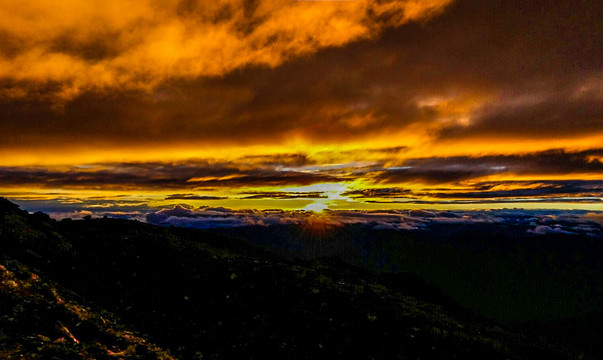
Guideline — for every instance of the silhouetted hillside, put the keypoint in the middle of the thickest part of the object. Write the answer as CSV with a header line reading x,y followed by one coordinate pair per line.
x,y
119,287
501,270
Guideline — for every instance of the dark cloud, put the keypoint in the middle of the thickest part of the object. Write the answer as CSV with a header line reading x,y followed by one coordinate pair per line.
x,y
551,116
268,178
515,68
203,175
438,172
193,197
484,190
157,175
442,170
378,193
278,160
571,191
283,195
545,200
592,188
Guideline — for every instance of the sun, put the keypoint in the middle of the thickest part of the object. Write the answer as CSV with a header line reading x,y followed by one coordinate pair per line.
x,y
316,207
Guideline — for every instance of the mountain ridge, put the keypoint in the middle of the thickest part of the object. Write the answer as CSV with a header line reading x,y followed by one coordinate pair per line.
x,y
200,295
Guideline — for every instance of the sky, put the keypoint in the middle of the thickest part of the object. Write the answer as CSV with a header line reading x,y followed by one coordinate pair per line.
x,y
127,107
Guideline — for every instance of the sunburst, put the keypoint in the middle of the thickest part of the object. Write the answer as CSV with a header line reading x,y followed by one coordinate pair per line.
x,y
316,206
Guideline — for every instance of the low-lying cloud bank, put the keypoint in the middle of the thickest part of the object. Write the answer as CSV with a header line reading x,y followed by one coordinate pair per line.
x,y
534,221
537,222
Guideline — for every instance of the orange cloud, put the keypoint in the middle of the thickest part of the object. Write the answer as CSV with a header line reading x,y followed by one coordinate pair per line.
x,y
76,46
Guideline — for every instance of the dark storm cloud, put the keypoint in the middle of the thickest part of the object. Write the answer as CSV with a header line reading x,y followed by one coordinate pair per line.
x,y
442,170
510,51
378,193
554,191
554,115
572,200
156,175
522,56
437,172
591,188
193,197
281,171
390,150
278,160
284,195
267,178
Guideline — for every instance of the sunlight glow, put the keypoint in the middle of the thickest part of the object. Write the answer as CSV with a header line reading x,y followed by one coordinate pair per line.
x,y
316,207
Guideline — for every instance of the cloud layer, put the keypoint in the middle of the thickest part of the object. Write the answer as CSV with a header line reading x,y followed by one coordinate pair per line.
x,y
534,222
137,44
348,104
468,74
549,177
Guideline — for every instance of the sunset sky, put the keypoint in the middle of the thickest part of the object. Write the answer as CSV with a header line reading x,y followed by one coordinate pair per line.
x,y
133,105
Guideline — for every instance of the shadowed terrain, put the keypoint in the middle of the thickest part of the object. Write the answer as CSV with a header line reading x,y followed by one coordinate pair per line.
x,y
502,270
109,288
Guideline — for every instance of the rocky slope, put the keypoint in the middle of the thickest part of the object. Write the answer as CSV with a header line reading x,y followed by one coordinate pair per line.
x,y
107,288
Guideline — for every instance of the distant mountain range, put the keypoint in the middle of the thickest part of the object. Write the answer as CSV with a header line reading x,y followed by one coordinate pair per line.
x,y
123,289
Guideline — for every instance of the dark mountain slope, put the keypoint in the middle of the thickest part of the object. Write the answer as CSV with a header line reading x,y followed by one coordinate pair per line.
x,y
500,269
38,320
201,295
